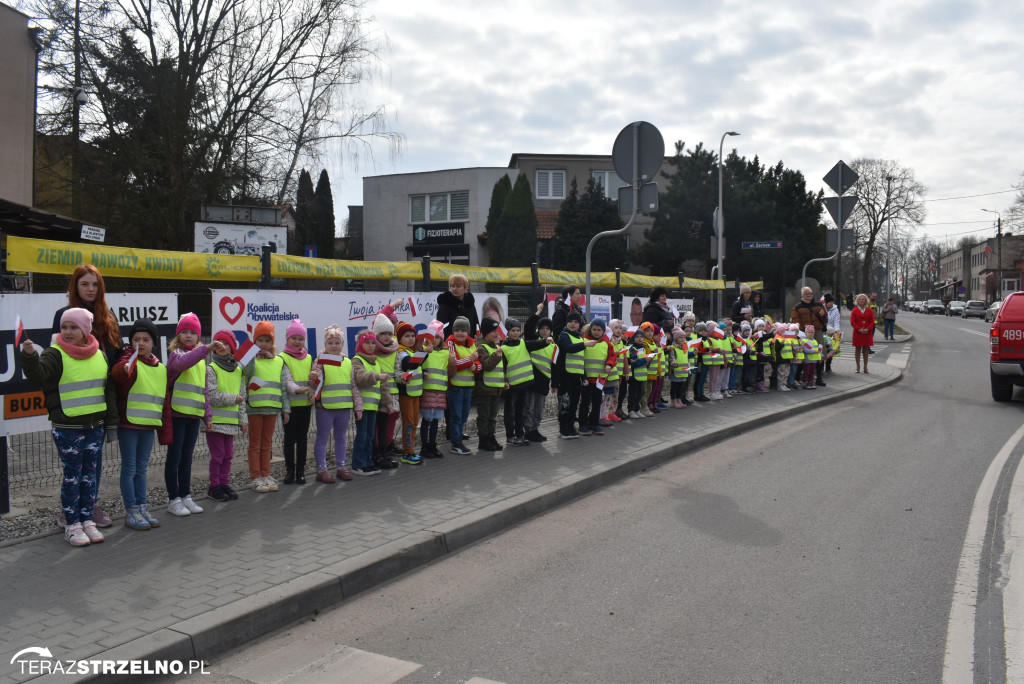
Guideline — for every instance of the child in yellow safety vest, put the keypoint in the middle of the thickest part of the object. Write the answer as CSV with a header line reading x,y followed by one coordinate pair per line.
x,y
227,404
812,355
599,364
369,385
296,430
266,377
81,404
331,380
490,384
538,329
519,371
437,370
408,378
190,407
141,387
834,348
385,454
612,410
465,359
679,368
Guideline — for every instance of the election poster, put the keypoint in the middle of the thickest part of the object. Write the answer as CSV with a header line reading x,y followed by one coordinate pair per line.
x,y
633,308
600,305
23,408
240,310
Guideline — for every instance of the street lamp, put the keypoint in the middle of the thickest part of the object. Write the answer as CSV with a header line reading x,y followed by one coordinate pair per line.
x,y
720,228
999,252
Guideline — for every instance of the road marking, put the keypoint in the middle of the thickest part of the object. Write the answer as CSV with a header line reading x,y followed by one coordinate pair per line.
x,y
958,664
974,332
897,360
1013,591
290,662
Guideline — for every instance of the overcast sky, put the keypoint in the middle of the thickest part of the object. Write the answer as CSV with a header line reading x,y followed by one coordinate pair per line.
x,y
936,85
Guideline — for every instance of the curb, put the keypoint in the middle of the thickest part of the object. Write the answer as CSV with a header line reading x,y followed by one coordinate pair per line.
x,y
207,635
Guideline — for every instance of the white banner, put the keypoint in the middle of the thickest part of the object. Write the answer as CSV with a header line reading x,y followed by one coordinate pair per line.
x,y
600,305
23,402
240,311
633,309
243,240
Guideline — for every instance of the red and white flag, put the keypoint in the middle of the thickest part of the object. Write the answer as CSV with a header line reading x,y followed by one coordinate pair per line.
x,y
246,352
315,393
131,361
554,356
330,359
599,384
675,311
419,356
19,330
502,331
256,383
718,334
694,344
412,305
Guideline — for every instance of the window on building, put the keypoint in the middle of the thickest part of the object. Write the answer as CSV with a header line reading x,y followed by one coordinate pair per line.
x,y
550,185
609,182
451,206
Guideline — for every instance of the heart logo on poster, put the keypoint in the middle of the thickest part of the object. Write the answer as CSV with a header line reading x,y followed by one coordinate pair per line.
x,y
226,302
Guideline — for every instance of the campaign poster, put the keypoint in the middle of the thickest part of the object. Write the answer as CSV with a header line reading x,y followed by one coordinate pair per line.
x,y
23,409
240,311
633,308
600,305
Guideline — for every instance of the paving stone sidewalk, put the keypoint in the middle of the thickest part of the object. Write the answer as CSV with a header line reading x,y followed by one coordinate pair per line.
x,y
206,583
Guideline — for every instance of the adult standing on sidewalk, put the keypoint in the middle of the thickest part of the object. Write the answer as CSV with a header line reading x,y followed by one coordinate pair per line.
x,y
743,307
889,318
87,291
457,301
809,312
571,300
862,320
657,311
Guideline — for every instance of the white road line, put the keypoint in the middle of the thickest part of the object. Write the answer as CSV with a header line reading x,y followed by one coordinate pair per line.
x,y
974,332
897,360
1013,590
290,663
958,666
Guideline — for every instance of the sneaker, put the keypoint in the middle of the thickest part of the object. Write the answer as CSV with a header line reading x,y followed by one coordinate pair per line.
x,y
597,431
412,459
365,471
386,463
534,436
662,406
614,417
232,494
325,476
573,436
144,511
191,505
373,468
701,397
94,535
344,474
271,483
586,432
646,413
635,416
177,507
820,383
260,485
218,493
76,535
520,441
460,449
604,422
100,517
783,388
133,519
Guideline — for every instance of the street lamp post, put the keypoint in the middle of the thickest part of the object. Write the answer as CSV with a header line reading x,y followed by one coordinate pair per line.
x,y
888,250
721,217
999,252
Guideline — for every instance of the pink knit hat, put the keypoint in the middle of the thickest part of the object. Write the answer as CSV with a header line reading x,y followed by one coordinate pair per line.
x,y
80,317
365,336
436,327
296,328
189,321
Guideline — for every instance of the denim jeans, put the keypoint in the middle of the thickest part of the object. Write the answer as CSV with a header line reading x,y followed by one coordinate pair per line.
x,y
362,446
178,467
135,446
459,399
890,327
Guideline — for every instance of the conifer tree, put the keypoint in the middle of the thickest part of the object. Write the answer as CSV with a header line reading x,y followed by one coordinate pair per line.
x,y
305,215
516,229
323,233
580,218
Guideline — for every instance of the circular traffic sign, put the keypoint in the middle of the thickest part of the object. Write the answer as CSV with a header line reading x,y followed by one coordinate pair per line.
x,y
650,151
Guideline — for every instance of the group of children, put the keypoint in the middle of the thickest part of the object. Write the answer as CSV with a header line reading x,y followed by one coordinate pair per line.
x,y
601,372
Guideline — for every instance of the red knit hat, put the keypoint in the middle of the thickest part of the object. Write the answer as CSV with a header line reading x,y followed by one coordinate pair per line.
x,y
228,338
403,328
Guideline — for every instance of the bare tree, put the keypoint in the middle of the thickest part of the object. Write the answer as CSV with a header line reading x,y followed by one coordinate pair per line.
x,y
887,191
213,100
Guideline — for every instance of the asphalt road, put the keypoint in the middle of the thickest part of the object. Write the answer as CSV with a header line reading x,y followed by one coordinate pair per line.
x,y
820,549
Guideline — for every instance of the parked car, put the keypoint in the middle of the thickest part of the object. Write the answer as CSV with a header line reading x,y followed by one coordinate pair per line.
x,y
920,307
991,312
934,306
1006,363
975,308
954,308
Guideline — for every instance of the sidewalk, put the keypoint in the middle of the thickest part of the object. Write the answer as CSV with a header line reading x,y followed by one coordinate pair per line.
x,y
201,585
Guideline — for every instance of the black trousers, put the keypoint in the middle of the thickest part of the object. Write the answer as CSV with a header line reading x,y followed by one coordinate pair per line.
x,y
569,388
515,410
590,405
296,438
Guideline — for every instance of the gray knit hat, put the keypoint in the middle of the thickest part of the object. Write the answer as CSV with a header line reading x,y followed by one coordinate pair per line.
x,y
700,327
461,323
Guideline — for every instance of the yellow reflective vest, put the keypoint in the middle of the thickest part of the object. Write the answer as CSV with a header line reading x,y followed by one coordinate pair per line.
x,y
81,384
300,376
269,371
227,383
337,390
188,396
146,396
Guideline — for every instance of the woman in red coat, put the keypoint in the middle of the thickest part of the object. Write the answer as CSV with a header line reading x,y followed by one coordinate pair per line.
x,y
862,320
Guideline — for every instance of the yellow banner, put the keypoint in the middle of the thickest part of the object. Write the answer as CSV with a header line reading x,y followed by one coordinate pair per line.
x,y
698,284
547,276
48,256
634,280
481,274
285,266
756,284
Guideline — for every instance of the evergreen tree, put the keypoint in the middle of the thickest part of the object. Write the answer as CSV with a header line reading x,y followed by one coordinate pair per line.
x,y
498,196
516,229
305,215
579,220
323,233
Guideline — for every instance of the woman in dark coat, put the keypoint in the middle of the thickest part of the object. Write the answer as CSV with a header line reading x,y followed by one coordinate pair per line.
x,y
569,301
457,301
657,310
744,301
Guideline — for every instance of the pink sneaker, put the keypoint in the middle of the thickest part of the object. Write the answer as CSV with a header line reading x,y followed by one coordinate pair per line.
x,y
94,535
76,535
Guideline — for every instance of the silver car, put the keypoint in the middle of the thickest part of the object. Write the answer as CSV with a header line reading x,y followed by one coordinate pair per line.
x,y
990,312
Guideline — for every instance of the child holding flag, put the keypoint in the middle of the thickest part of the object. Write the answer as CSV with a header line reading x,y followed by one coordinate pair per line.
x,y
331,381
490,384
637,360
266,377
296,430
518,365
369,388
227,405
409,379
437,368
679,365
79,417
141,388
538,329
598,363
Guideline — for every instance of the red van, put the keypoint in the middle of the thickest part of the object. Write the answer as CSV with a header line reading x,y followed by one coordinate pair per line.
x,y
1006,365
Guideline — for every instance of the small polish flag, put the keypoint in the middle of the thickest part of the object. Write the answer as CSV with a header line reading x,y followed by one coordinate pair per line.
x,y
419,356
406,377
330,359
19,328
633,329
743,349
718,334
133,359
412,305
599,384
256,383
319,387
662,339
675,311
694,344
246,352
554,357
502,331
